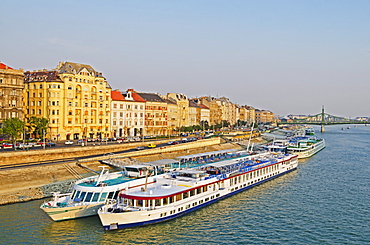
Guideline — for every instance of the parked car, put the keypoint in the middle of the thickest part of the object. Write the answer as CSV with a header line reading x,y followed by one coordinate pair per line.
x,y
50,144
68,142
152,146
7,145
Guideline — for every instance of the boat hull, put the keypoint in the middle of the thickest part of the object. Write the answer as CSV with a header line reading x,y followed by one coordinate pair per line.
x,y
66,213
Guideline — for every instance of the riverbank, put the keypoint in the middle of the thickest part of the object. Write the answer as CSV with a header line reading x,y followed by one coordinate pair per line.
x,y
25,184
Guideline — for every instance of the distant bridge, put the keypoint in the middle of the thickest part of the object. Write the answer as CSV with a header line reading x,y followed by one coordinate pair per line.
x,y
325,119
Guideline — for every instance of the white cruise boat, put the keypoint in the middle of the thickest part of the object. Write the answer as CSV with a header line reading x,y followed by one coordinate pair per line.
x,y
89,194
305,147
183,191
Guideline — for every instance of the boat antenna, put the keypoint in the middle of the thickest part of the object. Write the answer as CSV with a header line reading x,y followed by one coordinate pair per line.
x,y
250,136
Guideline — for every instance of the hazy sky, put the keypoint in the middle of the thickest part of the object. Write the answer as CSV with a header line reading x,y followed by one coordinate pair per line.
x,y
290,57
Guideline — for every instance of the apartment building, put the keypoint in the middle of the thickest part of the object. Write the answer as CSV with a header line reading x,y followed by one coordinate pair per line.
x,y
11,93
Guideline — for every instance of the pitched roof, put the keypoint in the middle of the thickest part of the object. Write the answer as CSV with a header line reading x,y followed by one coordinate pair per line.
x,y
137,97
193,104
116,95
203,106
169,101
48,76
151,97
75,68
3,66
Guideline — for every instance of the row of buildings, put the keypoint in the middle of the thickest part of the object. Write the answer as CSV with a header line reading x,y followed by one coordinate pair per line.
x,y
79,103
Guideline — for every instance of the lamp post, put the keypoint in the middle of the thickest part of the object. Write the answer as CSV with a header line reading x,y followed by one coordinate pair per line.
x,y
43,133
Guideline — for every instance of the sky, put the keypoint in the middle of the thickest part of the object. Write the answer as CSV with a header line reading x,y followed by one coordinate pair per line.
x,y
286,56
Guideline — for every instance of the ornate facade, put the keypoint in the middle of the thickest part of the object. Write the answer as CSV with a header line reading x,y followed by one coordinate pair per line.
x,y
11,93
74,98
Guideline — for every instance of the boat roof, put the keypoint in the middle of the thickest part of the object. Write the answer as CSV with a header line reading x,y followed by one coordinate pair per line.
x,y
221,163
162,162
190,171
206,154
136,166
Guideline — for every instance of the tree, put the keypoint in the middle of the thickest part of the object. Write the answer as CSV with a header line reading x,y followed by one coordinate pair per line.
x,y
13,127
40,126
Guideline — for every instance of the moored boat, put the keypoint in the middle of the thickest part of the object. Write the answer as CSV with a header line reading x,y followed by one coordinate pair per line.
x,y
182,191
91,193
305,147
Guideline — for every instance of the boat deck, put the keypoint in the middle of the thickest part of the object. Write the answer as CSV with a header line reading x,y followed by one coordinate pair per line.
x,y
109,182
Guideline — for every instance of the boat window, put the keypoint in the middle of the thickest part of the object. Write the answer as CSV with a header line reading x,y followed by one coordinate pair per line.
x,y
95,197
157,202
165,201
199,190
82,195
186,194
204,188
192,193
110,195
76,194
171,199
73,194
131,169
88,196
178,197
139,203
115,195
103,197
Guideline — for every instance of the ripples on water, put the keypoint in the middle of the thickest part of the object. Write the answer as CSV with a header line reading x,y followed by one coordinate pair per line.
x,y
325,202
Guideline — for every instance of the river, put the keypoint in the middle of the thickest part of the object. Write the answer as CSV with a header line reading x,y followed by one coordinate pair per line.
x,y
326,201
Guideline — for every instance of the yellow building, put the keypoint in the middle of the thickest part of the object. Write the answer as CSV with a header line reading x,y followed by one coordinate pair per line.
x,y
74,98
182,108
156,116
264,116
11,88
172,111
215,110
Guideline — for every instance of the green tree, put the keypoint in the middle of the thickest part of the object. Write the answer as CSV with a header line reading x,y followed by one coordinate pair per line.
x,y
40,125
13,127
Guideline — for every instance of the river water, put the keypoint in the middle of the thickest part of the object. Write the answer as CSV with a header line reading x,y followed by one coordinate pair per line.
x,y
326,201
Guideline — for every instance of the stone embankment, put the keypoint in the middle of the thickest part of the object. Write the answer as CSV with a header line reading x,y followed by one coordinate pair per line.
x,y
30,183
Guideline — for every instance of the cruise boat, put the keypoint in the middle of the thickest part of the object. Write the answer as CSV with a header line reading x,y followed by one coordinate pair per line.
x,y
305,146
89,194
309,131
179,192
